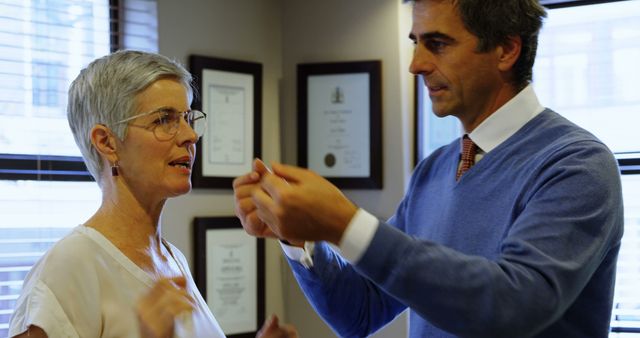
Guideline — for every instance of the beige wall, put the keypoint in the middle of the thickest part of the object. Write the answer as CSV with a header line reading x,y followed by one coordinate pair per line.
x,y
247,30
337,30
280,34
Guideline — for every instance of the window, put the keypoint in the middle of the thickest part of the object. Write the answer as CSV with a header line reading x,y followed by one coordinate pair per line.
x,y
586,70
45,189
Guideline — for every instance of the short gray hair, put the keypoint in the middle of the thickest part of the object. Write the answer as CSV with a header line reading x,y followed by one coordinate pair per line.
x,y
494,21
105,93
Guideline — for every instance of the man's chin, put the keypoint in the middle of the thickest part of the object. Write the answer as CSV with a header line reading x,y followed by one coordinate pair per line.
x,y
441,112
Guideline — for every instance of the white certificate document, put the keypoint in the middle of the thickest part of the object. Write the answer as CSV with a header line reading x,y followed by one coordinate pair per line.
x,y
338,125
232,280
227,139
227,99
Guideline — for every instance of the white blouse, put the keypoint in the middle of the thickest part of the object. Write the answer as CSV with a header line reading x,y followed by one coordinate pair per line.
x,y
85,287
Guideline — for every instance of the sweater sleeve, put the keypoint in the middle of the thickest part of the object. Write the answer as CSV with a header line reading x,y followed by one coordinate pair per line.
x,y
351,304
570,224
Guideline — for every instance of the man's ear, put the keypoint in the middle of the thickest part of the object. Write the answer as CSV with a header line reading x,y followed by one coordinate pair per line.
x,y
104,141
509,52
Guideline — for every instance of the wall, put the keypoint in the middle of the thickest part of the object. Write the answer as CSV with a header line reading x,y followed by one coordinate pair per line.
x,y
247,30
337,30
280,34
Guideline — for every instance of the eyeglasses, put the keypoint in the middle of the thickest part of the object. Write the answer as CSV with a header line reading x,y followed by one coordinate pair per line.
x,y
167,122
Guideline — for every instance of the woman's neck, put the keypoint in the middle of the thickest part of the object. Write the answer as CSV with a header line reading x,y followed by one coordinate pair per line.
x,y
133,226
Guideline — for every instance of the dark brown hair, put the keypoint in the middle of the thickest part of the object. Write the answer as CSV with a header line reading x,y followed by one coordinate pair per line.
x,y
493,22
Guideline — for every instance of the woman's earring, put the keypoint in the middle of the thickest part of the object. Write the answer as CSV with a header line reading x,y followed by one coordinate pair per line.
x,y
114,169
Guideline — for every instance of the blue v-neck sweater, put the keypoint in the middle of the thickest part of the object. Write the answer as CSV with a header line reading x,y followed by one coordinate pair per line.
x,y
524,245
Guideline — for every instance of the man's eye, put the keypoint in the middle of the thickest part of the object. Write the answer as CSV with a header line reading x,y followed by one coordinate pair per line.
x,y
435,45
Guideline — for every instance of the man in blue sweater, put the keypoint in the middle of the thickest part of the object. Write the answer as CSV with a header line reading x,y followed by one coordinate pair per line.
x,y
522,244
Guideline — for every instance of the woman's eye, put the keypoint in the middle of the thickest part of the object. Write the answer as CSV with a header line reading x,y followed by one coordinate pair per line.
x,y
160,120
169,117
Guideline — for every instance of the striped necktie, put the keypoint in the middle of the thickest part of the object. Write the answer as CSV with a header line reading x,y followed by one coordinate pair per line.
x,y
468,156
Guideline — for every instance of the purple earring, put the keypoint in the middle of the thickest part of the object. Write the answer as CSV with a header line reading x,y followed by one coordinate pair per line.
x,y
114,169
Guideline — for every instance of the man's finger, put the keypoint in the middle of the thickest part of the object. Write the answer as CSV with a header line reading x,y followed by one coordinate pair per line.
x,y
258,227
254,226
250,178
272,323
268,220
274,185
265,210
262,200
290,330
244,191
259,167
290,173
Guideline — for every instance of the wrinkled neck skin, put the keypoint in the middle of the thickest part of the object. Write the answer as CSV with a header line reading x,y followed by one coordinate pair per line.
x,y
131,222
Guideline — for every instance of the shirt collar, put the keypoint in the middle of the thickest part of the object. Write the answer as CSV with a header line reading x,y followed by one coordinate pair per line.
x,y
508,119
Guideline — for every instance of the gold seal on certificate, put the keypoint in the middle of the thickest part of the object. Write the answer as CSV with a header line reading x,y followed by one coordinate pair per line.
x,y
329,160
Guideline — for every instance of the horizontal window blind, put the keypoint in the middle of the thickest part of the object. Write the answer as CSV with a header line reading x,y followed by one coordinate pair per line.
x,y
626,306
51,41
43,46
48,43
140,25
35,214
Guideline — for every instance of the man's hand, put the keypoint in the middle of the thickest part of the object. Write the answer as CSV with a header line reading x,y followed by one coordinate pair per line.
x,y
300,205
158,309
243,187
272,329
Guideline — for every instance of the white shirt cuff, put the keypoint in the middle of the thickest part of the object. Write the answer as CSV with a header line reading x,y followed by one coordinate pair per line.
x,y
301,255
358,235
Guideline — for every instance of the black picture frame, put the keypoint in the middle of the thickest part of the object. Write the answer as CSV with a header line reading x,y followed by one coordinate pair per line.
x,y
229,144
350,73
230,226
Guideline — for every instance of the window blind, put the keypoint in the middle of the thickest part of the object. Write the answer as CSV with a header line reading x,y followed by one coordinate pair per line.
x,y
43,46
586,70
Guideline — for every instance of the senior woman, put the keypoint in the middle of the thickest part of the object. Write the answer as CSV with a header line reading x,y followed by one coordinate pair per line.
x,y
114,275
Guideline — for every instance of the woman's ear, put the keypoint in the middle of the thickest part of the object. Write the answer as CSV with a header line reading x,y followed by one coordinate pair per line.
x,y
509,52
104,141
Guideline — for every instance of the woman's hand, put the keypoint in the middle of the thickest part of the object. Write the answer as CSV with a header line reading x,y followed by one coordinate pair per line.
x,y
272,329
158,309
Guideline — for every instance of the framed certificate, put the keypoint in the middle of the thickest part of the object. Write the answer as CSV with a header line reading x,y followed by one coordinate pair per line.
x,y
230,93
229,272
340,122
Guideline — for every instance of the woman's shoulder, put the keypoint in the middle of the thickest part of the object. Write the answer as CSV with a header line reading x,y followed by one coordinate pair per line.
x,y
61,283
73,251
71,260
